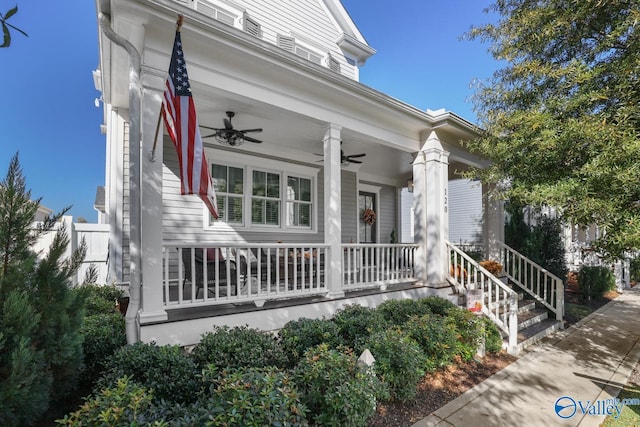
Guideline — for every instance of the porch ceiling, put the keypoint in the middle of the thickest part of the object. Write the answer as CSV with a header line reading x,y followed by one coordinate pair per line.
x,y
293,136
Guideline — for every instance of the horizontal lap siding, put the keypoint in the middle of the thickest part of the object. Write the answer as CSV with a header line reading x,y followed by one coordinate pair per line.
x,y
299,17
349,207
387,213
465,211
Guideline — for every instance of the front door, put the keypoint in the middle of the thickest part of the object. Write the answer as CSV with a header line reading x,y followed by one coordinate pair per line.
x,y
367,223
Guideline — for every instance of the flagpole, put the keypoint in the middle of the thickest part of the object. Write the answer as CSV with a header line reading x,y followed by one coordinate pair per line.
x,y
152,154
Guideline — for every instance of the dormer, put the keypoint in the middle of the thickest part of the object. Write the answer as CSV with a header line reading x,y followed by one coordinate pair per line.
x,y
320,31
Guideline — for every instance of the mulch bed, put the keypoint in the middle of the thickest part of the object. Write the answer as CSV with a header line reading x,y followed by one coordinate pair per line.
x,y
439,388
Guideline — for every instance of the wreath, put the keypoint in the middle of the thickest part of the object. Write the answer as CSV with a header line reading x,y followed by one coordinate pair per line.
x,y
369,216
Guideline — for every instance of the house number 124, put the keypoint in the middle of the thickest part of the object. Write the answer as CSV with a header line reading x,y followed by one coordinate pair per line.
x,y
445,200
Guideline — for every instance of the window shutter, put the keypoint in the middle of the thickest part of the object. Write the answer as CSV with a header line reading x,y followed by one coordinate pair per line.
x,y
286,43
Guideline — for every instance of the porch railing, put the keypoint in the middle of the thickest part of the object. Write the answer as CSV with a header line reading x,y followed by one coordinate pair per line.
x,y
205,274
543,286
500,303
377,265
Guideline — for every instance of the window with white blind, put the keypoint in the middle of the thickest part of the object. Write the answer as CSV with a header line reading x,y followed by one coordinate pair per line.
x,y
298,202
265,200
228,183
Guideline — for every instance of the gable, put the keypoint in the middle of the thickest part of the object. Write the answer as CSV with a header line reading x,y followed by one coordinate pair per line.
x,y
320,31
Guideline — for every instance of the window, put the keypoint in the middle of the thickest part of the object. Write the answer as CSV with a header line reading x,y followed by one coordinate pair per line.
x,y
228,183
253,197
265,200
289,44
210,10
298,202
307,54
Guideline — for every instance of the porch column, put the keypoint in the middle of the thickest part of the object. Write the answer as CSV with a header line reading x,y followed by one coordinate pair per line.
x,y
333,210
419,217
431,210
152,308
493,224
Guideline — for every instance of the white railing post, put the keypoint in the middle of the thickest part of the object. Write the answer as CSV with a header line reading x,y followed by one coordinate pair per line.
x,y
559,302
513,324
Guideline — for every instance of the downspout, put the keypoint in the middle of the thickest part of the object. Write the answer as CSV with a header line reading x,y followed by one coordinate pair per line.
x,y
132,316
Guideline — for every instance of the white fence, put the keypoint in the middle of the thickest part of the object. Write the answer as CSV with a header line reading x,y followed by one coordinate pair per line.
x,y
96,237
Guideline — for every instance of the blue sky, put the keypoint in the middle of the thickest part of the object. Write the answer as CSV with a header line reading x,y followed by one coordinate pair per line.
x,y
47,110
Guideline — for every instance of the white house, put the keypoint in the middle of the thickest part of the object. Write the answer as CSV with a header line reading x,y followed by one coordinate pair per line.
x,y
291,240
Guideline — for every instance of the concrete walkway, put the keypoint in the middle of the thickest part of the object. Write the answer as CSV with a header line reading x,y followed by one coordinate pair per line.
x,y
585,364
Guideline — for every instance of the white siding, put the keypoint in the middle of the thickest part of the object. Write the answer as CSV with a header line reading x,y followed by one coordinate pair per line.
x,y
465,211
306,20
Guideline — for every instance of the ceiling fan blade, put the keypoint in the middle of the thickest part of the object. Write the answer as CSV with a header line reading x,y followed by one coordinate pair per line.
x,y
351,156
354,161
250,139
209,136
209,127
251,130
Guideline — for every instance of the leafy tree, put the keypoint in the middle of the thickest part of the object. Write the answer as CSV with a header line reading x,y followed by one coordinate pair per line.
x,y
562,118
40,315
6,27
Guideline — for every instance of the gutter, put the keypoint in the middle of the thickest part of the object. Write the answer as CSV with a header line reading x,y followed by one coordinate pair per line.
x,y
135,89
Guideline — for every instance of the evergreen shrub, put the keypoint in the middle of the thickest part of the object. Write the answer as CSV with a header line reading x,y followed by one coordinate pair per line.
x,y
335,390
399,362
166,370
594,281
299,335
356,323
436,337
238,347
398,312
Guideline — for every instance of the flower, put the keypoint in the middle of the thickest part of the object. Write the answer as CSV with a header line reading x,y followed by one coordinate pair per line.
x,y
369,216
494,267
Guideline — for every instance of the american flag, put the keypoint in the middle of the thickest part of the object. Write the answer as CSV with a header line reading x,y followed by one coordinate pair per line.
x,y
179,114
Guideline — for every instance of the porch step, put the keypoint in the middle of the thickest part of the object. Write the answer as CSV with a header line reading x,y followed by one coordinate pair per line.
x,y
531,317
534,333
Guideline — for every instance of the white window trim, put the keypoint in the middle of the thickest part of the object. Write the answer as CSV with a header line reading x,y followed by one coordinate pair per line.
x,y
250,163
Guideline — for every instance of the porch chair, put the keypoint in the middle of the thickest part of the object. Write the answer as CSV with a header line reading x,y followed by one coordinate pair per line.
x,y
211,262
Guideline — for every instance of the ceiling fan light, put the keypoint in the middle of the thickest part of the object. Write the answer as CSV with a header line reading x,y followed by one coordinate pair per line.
x,y
230,139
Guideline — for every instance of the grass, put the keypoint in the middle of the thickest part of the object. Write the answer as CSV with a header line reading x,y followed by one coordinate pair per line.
x,y
630,416
577,310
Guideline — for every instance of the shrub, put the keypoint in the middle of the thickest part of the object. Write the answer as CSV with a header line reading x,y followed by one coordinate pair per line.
x,y
437,305
436,337
251,397
468,332
397,312
239,347
334,389
399,362
356,323
104,334
299,335
492,336
124,404
593,282
101,299
167,370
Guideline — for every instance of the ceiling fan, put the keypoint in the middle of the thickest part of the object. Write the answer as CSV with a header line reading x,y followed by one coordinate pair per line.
x,y
229,135
346,159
